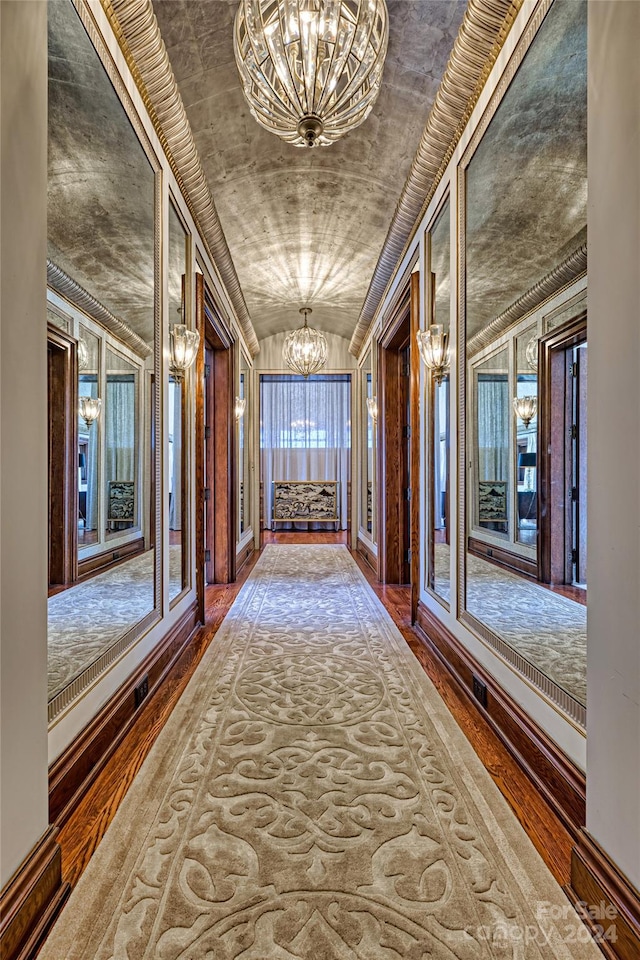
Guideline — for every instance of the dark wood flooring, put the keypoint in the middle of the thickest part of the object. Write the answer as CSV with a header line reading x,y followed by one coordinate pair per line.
x,y
85,828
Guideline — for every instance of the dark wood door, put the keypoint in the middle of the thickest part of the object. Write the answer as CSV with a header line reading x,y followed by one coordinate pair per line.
x,y
62,380
209,503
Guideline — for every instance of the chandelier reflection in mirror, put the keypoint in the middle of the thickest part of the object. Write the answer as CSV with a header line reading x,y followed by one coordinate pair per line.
x,y
311,69
434,349
239,408
184,348
526,408
305,349
89,409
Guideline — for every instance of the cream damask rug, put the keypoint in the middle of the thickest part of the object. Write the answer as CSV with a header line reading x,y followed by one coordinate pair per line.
x,y
311,798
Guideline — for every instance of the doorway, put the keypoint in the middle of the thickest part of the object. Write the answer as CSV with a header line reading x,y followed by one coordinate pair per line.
x,y
398,454
563,456
215,449
64,460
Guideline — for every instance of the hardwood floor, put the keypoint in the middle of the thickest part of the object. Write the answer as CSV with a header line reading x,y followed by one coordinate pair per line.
x,y
87,825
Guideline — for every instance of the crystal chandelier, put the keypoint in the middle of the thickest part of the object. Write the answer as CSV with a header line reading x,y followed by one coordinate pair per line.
x,y
434,349
305,349
311,69
89,409
526,408
184,347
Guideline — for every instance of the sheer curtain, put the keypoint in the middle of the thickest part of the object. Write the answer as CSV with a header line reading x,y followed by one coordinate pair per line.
x,y
305,434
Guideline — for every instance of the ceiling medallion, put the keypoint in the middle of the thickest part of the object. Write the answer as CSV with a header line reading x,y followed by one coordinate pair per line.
x,y
305,349
311,69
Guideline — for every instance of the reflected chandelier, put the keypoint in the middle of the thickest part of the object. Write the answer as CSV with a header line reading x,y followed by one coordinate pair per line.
x,y
526,408
311,69
89,409
305,349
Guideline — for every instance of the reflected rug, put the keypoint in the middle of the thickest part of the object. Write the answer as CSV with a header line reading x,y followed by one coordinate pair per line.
x,y
83,621
549,630
311,798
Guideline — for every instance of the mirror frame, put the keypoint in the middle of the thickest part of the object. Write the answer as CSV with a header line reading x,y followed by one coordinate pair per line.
x,y
372,535
151,389
557,696
429,422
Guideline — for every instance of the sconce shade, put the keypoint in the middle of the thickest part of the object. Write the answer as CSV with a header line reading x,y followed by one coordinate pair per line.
x,y
525,408
89,409
433,345
372,407
184,349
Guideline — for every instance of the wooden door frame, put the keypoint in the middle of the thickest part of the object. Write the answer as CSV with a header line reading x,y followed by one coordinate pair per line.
x,y
63,454
400,331
552,433
222,492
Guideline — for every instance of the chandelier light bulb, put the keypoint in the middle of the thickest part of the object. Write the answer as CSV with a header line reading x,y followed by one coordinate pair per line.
x,y
184,345
311,69
305,349
89,409
433,345
526,408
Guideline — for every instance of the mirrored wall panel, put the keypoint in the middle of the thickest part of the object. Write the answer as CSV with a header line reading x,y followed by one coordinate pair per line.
x,y
89,437
102,267
178,488
368,416
438,434
523,191
244,471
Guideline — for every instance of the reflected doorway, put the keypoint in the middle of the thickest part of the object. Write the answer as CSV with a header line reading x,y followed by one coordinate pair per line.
x,y
563,457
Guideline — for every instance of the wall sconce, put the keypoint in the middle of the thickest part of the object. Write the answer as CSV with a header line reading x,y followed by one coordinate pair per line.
x,y
89,409
372,407
525,408
240,407
433,345
184,345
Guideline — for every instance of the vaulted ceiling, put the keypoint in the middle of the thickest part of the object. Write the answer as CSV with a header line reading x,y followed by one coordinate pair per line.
x,y
305,227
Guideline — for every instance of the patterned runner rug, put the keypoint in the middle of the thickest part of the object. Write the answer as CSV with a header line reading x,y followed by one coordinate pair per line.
x,y
311,798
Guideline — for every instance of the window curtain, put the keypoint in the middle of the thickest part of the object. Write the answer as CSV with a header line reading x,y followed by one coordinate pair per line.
x,y
175,456
305,434
88,387
493,427
120,425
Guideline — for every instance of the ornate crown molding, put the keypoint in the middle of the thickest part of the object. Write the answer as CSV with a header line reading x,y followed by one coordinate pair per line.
x,y
62,283
481,36
573,267
136,28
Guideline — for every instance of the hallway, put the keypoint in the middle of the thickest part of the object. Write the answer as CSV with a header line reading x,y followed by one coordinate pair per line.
x,y
311,796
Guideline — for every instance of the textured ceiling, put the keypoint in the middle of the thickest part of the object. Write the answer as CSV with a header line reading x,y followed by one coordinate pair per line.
x,y
100,184
305,226
527,181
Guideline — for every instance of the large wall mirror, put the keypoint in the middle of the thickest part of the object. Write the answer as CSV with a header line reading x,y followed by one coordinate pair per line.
x,y
178,480
523,187
438,434
103,197
368,419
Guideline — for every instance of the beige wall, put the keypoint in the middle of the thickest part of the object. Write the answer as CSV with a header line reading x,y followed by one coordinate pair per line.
x,y
613,661
23,411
